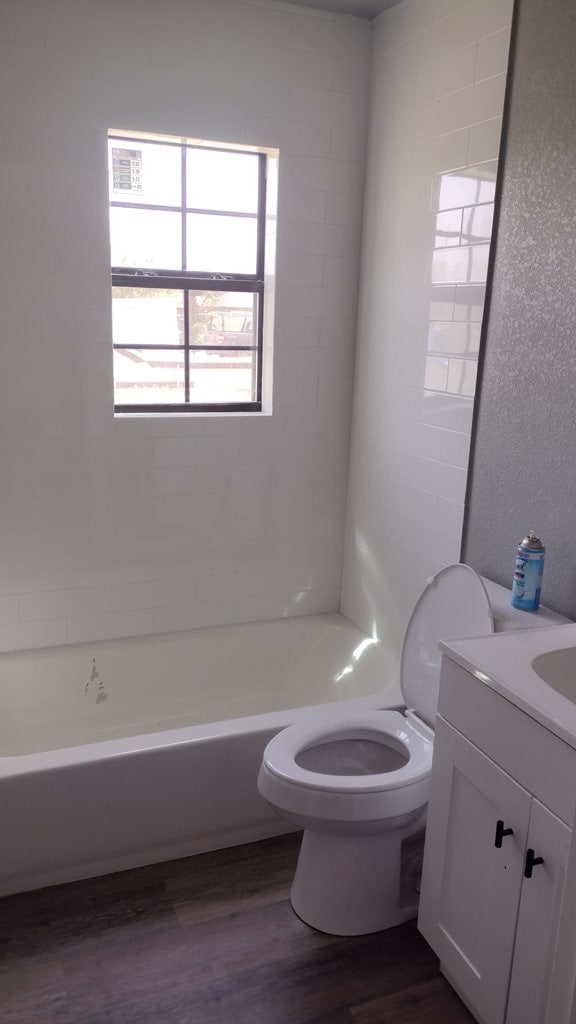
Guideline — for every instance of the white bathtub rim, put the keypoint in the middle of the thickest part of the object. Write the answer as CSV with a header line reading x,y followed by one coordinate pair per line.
x,y
389,698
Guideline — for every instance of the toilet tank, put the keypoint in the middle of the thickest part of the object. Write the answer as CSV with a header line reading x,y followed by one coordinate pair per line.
x,y
506,617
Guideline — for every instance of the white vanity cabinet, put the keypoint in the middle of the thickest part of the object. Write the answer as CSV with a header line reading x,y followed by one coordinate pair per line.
x,y
497,844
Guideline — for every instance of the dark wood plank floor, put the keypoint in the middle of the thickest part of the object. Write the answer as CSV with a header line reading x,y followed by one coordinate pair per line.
x,y
206,940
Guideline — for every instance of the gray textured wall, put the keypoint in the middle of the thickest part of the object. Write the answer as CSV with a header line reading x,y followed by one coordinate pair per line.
x,y
523,464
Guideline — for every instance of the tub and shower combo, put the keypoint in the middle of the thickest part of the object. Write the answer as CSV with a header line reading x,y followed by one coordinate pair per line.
x,y
127,752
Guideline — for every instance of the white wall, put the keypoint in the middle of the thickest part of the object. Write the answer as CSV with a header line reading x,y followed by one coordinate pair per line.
x,y
437,97
119,527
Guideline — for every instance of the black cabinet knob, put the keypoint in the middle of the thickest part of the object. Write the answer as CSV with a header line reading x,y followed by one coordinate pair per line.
x,y
500,833
531,862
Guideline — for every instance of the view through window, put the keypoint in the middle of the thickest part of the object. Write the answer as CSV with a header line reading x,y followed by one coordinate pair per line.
x,y
187,231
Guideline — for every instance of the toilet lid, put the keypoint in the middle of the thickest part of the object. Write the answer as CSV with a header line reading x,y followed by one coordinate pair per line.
x,y
454,604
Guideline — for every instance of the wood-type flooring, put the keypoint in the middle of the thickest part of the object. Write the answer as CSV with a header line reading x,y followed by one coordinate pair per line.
x,y
210,939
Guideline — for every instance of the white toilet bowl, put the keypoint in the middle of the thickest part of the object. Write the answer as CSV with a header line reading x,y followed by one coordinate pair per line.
x,y
357,783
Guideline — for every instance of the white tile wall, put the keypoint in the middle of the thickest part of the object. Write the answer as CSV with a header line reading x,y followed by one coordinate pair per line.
x,y
438,86
111,528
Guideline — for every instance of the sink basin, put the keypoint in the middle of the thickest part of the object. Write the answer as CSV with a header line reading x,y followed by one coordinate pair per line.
x,y
558,670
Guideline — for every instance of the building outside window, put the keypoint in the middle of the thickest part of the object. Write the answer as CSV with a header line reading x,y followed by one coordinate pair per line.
x,y
187,235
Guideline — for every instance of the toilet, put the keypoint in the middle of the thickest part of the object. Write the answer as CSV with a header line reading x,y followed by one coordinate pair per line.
x,y
357,782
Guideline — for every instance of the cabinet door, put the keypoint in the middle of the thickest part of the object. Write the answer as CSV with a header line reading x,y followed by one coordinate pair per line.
x,y
538,918
470,887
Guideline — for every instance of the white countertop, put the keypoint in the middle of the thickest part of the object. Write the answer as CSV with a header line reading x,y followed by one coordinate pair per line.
x,y
503,662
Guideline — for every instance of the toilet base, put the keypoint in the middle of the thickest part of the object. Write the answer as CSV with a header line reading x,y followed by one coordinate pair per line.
x,y
352,885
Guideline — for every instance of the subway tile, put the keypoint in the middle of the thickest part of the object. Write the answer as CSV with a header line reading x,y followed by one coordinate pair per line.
x,y
196,451
106,571
304,138
351,76
19,578
484,141
23,25
398,24
274,606
465,265
441,154
195,616
462,377
314,33
450,412
301,206
325,174
302,332
59,604
347,142
449,446
492,55
445,77
433,475
436,373
345,210
477,224
476,21
469,302
447,228
480,102
297,391
85,628
9,608
441,302
301,270
320,602
334,391
16,636
463,187
143,594
351,38
326,107
319,239
454,338
449,516
417,51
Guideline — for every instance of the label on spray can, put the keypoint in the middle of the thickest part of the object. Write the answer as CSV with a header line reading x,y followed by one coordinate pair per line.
x,y
528,571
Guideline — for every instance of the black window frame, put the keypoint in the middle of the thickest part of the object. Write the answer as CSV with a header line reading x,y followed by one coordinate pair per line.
x,y
189,281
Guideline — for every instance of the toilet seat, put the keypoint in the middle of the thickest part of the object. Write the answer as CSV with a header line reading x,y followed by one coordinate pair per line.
x,y
383,726
454,604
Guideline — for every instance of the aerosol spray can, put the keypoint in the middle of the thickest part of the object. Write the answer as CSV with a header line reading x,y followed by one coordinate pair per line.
x,y
528,573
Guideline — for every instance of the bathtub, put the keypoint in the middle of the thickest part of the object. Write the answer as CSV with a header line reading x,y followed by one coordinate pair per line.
x,y
121,753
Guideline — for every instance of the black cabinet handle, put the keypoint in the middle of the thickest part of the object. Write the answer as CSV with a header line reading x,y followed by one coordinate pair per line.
x,y
500,833
531,861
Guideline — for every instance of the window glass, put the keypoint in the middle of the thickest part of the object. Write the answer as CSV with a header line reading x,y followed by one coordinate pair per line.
x,y
148,376
147,316
219,180
220,244
145,238
144,172
219,319
218,378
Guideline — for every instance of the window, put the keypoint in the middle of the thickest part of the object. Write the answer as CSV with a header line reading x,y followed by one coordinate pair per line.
x,y
187,231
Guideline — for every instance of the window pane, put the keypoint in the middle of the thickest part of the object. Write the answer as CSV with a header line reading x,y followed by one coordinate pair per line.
x,y
223,318
223,377
225,245
145,238
141,172
147,316
217,180
153,376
